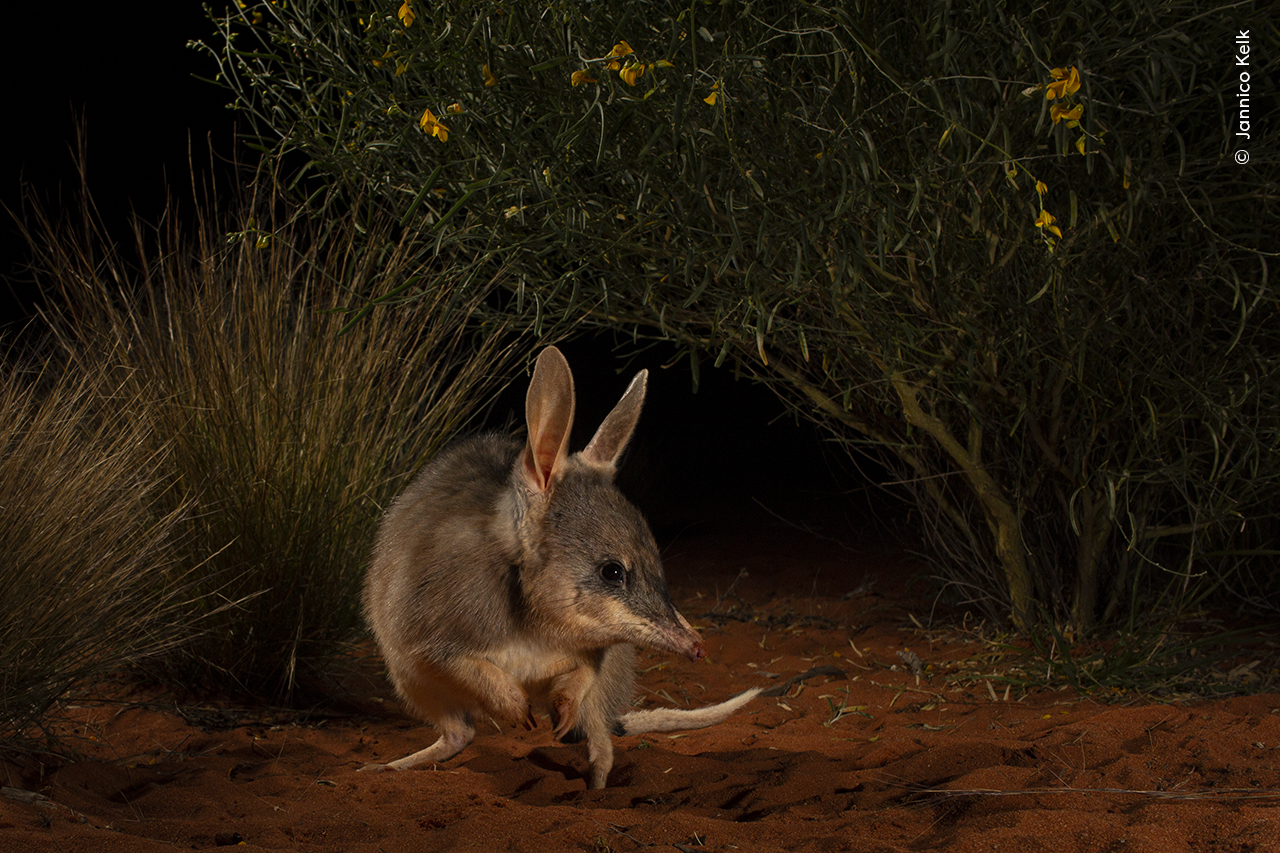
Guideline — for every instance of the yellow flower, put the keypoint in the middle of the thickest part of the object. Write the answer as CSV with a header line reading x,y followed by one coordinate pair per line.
x,y
1080,145
406,14
1045,222
715,92
632,73
429,125
1057,112
620,49
1041,188
1066,82
489,79
581,76
455,108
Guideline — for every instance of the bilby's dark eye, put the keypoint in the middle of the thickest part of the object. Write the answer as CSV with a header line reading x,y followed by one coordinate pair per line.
x,y
613,573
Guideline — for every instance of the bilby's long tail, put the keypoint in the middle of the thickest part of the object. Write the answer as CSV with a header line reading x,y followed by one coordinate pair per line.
x,y
682,719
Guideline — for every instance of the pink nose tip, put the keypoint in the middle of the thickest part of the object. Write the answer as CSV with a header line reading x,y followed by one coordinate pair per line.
x,y
698,652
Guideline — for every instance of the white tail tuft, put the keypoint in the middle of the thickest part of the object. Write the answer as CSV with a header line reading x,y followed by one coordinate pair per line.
x,y
683,719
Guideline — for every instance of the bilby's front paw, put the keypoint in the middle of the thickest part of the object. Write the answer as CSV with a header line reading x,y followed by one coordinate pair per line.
x,y
515,710
375,768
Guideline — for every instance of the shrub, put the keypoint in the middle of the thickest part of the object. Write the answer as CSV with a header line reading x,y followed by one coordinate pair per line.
x,y
1005,250
286,433
89,576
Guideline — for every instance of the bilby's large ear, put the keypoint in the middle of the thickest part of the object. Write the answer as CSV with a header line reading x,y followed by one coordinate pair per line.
x,y
614,433
548,410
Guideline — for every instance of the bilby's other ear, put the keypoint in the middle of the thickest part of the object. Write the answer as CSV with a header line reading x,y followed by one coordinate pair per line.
x,y
548,411
614,433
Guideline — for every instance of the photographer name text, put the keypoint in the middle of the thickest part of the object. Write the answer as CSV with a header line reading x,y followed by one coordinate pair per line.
x,y
1242,93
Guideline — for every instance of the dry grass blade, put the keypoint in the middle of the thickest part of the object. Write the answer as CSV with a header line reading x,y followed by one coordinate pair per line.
x,y
89,535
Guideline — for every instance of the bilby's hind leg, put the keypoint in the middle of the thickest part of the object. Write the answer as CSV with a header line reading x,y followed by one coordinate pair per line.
x,y
609,695
595,723
600,757
430,697
456,731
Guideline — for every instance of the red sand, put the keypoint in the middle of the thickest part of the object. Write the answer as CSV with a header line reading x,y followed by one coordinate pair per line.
x,y
908,766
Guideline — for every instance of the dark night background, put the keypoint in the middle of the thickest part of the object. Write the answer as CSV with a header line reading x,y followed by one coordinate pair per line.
x,y
124,73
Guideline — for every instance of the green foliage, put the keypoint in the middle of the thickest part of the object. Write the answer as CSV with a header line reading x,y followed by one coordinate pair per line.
x,y
285,435
89,576
1070,357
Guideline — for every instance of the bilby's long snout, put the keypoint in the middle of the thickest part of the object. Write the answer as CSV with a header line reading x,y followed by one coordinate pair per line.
x,y
695,651
675,634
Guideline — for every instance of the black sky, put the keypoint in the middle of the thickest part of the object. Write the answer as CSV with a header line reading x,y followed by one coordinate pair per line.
x,y
125,72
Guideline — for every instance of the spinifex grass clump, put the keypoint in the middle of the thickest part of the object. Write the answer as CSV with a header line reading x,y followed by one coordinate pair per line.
x,y
89,579
1007,250
288,434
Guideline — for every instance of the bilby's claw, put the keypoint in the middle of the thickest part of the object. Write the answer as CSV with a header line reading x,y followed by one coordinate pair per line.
x,y
565,713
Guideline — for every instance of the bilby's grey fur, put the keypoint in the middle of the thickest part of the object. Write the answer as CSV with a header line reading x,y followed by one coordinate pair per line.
x,y
511,576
